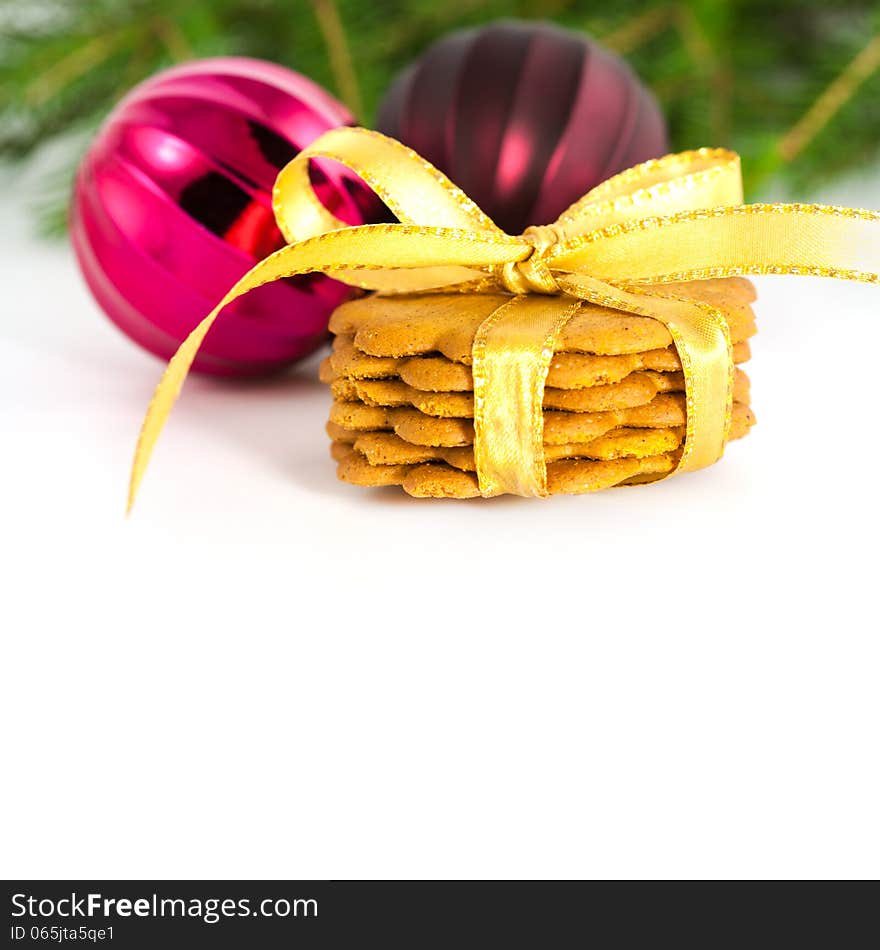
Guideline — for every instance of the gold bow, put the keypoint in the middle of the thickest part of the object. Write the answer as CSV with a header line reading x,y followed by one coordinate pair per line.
x,y
679,218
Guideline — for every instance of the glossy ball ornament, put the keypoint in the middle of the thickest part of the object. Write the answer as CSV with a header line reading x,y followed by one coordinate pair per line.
x,y
172,205
524,117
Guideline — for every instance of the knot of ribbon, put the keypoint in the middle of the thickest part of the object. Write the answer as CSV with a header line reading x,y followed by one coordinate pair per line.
x,y
533,274
675,219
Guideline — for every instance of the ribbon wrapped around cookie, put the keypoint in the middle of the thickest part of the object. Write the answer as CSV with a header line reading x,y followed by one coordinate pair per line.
x,y
679,218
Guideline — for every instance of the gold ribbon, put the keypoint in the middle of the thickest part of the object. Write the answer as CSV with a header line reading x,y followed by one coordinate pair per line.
x,y
679,218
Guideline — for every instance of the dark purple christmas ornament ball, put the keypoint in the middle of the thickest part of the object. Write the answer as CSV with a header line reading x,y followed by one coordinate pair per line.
x,y
524,117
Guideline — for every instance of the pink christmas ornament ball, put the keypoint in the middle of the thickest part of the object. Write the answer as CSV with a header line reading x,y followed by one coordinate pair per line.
x,y
172,205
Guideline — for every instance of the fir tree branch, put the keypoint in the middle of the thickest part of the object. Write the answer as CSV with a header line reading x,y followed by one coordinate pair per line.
x,y
330,23
823,110
173,39
764,78
640,29
47,84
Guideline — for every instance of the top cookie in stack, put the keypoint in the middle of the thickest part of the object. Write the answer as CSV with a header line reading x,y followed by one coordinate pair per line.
x,y
614,399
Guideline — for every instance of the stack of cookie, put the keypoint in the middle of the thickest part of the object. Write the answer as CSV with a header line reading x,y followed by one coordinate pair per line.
x,y
614,403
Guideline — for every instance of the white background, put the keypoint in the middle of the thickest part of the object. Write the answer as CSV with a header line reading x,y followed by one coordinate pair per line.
x,y
265,672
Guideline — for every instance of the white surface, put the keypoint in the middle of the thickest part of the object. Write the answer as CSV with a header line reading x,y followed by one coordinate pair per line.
x,y
268,673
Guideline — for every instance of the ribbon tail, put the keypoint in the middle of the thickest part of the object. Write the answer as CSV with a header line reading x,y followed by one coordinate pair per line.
x,y
815,240
702,338
166,393
163,400
512,351
364,250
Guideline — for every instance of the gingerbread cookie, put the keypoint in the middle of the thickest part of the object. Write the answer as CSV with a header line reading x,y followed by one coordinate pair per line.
x,y
560,428
447,323
637,389
387,448
440,374
439,480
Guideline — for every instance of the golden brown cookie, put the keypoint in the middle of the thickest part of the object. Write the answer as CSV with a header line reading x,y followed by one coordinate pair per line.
x,y
387,448
578,370
354,468
339,433
439,480
447,323
666,410
637,389
409,424
347,360
440,374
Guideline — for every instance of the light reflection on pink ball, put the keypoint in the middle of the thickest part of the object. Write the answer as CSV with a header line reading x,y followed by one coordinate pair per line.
x,y
172,204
